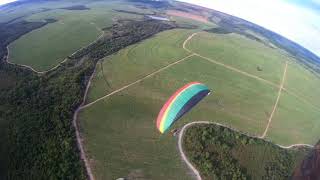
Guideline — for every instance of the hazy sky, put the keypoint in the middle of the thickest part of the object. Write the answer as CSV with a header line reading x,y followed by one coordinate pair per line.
x,y
5,1
298,20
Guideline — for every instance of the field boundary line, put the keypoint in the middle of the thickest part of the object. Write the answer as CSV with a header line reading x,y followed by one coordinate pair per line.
x,y
137,81
295,145
243,72
224,65
237,70
277,100
301,99
189,164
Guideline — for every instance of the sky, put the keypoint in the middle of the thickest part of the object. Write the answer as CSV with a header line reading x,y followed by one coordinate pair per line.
x,y
297,20
5,1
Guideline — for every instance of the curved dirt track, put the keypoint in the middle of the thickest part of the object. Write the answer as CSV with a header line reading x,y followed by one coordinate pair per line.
x,y
187,40
180,147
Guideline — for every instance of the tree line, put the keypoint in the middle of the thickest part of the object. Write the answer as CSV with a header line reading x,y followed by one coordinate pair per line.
x,y
222,153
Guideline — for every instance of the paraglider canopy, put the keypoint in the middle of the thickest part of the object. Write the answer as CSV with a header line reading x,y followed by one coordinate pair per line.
x,y
182,101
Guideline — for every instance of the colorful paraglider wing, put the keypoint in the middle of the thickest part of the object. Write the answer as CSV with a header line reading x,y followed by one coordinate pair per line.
x,y
180,103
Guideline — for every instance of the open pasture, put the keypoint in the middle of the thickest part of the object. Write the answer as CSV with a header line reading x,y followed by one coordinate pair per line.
x,y
46,47
123,124
240,52
138,61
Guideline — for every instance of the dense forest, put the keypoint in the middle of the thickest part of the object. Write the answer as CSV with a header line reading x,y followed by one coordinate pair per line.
x,y
38,139
222,153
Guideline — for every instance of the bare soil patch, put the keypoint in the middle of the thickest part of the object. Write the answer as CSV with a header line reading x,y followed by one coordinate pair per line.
x,y
188,15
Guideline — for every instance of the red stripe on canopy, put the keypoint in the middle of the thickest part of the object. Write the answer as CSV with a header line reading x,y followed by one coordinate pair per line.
x,y
166,105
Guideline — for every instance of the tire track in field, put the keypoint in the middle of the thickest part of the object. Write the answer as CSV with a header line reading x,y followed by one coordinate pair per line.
x,y
245,73
103,75
277,100
147,76
301,99
137,81
237,70
225,65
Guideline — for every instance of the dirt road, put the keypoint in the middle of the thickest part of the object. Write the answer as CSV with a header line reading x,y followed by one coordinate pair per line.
x,y
147,76
137,81
277,101
78,136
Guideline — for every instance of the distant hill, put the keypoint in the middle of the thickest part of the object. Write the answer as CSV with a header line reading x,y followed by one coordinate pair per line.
x,y
237,25
21,2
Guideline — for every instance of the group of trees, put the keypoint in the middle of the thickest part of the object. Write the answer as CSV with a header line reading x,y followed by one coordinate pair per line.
x,y
119,37
221,153
40,141
209,148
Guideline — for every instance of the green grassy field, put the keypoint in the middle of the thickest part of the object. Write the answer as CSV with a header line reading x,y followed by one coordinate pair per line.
x,y
298,108
294,122
48,46
119,131
242,53
137,61
303,83
121,138
297,117
124,124
237,101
